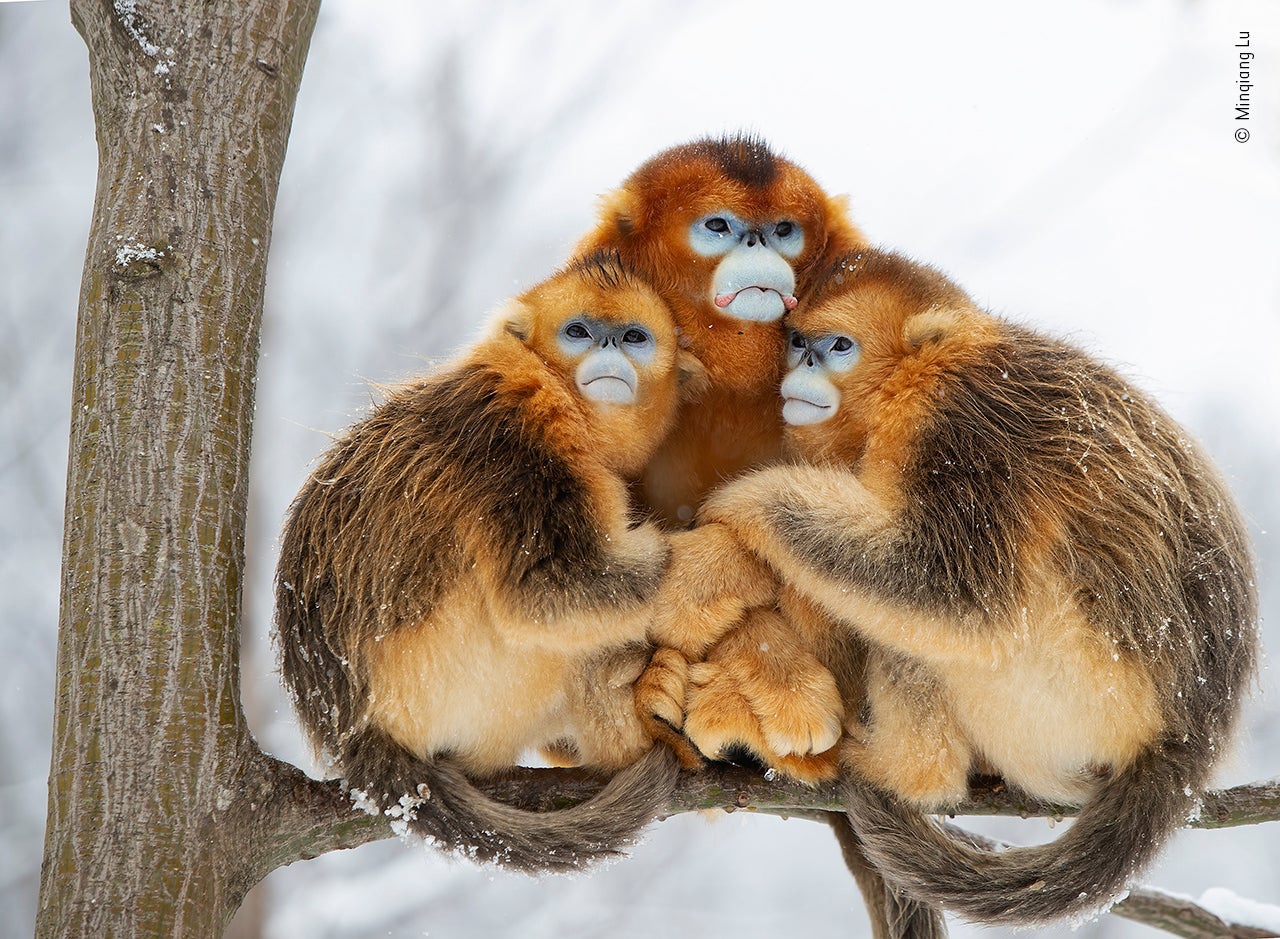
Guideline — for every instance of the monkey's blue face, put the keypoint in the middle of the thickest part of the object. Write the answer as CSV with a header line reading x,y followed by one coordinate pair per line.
x,y
754,280
809,392
608,356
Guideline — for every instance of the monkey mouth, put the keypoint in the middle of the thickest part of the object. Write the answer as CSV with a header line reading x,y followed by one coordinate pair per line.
x,y
723,300
609,389
799,412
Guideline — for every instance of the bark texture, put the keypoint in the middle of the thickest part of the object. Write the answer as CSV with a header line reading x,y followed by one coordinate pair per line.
x,y
152,821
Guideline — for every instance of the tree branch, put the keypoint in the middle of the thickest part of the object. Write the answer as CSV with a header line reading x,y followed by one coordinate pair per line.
x,y
1157,908
316,817
1181,916
325,807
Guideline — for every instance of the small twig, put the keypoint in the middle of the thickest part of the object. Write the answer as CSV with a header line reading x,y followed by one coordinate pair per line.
x,y
1153,907
1181,916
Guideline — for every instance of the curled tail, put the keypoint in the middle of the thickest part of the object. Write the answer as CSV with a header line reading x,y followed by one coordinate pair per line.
x,y
1116,835
434,799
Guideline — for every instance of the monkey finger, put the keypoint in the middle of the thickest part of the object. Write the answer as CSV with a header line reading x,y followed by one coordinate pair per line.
x,y
686,753
660,691
660,698
719,719
804,716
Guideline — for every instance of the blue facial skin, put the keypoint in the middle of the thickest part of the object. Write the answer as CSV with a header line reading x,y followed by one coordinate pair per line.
x,y
754,280
808,394
607,356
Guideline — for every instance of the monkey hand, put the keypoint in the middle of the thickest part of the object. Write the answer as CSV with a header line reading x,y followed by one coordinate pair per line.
x,y
801,715
711,581
660,696
720,720
789,696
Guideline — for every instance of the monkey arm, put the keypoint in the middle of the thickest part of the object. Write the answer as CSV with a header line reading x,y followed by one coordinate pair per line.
x,y
848,549
710,583
599,594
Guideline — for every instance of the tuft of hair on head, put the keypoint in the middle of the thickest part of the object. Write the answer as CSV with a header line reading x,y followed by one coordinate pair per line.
x,y
743,157
605,269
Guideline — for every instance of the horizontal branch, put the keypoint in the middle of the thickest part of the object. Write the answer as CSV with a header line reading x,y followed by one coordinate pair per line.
x,y
332,822
319,817
733,788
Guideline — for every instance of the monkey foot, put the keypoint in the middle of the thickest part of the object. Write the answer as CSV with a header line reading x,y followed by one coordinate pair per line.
x,y
927,777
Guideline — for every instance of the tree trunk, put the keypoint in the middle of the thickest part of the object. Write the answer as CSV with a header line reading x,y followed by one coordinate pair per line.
x,y
151,831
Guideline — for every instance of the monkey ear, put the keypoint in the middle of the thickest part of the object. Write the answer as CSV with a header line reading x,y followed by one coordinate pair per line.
x,y
618,209
934,325
692,375
516,319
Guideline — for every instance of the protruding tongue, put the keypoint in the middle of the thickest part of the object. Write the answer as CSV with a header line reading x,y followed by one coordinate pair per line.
x,y
724,299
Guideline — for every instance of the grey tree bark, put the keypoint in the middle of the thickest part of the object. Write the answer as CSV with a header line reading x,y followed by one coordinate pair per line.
x,y
156,821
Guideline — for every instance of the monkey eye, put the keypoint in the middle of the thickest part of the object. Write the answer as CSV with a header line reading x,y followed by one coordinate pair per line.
x,y
797,341
842,344
783,229
635,336
577,330
717,225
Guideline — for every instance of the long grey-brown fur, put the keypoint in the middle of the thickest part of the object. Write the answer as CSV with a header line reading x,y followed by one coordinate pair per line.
x,y
369,544
1030,429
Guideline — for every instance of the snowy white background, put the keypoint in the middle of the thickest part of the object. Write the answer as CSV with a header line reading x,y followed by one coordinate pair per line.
x,y
1073,165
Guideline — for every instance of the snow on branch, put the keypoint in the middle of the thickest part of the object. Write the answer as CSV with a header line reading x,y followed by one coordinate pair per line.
x,y
1210,918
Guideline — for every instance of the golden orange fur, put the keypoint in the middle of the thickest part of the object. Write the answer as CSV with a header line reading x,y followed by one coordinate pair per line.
x,y
462,578
733,424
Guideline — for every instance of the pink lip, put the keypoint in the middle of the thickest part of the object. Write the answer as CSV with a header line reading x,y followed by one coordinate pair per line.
x,y
789,302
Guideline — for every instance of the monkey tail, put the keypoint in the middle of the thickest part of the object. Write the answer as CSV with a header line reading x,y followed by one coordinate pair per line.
x,y
894,914
1115,836
434,799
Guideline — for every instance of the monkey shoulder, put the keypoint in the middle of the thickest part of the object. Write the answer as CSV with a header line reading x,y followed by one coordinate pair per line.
x,y
1039,453
543,514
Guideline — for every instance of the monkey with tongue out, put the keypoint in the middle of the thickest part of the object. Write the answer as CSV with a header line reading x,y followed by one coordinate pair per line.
x,y
731,233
